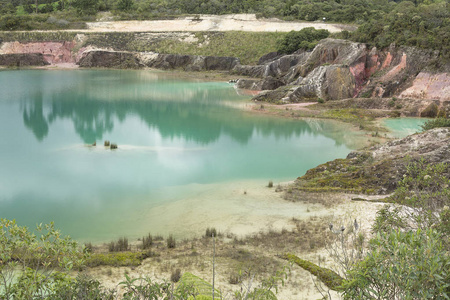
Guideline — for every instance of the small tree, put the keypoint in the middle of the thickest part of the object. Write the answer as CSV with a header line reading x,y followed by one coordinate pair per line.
x,y
28,262
125,5
306,39
85,7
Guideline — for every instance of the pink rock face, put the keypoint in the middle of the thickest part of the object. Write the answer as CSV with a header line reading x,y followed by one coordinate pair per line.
x,y
387,61
54,52
395,70
429,86
372,66
359,73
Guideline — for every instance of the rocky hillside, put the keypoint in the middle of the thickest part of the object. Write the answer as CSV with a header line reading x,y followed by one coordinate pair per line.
x,y
334,69
376,170
340,69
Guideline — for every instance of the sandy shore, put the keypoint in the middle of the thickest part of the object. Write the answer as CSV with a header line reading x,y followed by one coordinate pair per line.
x,y
260,209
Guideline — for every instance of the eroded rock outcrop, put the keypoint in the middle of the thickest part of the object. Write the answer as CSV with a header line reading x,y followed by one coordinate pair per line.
x,y
23,60
109,59
339,69
429,86
188,62
377,170
268,83
54,52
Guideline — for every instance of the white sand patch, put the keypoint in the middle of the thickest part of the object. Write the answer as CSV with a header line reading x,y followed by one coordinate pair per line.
x,y
240,22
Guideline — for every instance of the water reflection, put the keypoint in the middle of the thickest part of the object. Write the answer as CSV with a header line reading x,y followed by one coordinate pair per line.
x,y
193,111
33,117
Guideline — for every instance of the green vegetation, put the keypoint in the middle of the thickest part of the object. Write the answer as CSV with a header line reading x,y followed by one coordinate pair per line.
x,y
330,278
171,242
85,7
305,39
120,259
211,232
32,264
425,189
120,245
200,286
435,123
410,265
424,24
247,46
147,241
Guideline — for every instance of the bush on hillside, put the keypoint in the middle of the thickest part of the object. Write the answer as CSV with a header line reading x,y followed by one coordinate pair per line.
x,y
435,123
305,39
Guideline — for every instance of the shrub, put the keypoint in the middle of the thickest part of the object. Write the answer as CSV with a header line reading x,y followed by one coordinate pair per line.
x,y
425,190
175,276
305,39
88,247
147,241
171,243
83,287
28,261
270,184
439,122
235,278
409,265
210,232
120,245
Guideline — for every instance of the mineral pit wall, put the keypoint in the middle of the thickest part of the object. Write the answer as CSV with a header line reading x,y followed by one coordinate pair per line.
x,y
334,69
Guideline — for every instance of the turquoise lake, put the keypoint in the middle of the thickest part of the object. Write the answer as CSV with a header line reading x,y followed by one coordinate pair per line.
x,y
179,140
401,127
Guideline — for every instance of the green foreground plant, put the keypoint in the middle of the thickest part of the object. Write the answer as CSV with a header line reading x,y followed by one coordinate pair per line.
x,y
30,265
402,265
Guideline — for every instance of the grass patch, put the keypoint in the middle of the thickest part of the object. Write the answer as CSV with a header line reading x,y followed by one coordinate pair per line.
x,y
330,278
340,175
247,46
117,259
34,36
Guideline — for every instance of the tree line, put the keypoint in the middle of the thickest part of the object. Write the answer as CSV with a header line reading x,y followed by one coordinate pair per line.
x,y
419,23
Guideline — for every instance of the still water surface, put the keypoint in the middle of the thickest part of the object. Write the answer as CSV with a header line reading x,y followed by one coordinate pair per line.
x,y
175,138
